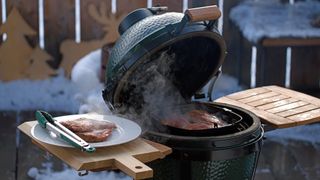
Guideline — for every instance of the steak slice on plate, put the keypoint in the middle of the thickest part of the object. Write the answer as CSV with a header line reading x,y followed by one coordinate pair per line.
x,y
90,130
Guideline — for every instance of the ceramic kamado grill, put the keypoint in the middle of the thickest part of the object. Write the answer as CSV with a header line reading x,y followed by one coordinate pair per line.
x,y
196,51
187,51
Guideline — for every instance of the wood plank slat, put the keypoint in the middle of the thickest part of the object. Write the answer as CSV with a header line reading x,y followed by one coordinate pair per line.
x,y
295,94
90,28
165,150
59,20
8,144
266,117
298,110
268,100
294,109
285,42
306,117
277,104
258,97
173,6
1,23
126,6
305,75
269,60
200,3
248,93
287,107
238,60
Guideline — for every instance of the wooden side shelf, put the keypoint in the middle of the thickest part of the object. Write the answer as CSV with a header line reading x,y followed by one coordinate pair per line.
x,y
277,106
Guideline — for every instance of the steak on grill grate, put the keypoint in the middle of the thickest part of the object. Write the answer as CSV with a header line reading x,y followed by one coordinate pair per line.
x,y
194,120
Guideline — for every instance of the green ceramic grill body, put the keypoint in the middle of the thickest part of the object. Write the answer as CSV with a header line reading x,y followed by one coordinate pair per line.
x,y
199,51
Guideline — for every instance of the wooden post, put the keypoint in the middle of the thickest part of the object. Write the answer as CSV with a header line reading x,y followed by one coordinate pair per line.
x,y
90,28
8,149
59,25
305,66
173,6
126,6
238,60
199,3
271,66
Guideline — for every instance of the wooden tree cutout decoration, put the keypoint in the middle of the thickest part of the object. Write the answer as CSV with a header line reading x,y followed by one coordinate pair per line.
x,y
15,51
72,51
38,68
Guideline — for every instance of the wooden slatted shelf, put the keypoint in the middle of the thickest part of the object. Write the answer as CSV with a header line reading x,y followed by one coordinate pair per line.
x,y
277,106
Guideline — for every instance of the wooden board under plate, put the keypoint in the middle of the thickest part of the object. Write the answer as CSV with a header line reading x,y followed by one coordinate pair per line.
x,y
129,157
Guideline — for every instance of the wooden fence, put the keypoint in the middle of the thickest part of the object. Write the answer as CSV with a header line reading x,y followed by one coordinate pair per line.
x,y
271,59
59,23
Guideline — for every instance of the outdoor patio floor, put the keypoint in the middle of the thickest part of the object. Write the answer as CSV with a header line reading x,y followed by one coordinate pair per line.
x,y
279,159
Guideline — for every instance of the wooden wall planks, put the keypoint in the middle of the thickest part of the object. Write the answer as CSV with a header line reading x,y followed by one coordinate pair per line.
x,y
59,25
175,5
305,69
271,66
90,28
199,3
238,60
126,6
8,144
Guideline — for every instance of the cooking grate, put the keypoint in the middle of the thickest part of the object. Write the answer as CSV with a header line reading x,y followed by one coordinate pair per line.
x,y
233,121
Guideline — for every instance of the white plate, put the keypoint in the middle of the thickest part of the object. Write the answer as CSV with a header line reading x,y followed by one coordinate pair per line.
x,y
126,131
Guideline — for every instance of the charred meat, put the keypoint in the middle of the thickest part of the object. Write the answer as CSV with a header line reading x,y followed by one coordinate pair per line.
x,y
90,130
194,120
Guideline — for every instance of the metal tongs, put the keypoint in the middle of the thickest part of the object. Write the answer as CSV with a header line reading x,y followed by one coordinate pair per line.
x,y
46,121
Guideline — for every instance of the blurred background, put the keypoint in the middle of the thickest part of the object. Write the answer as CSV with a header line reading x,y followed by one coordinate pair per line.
x,y
53,56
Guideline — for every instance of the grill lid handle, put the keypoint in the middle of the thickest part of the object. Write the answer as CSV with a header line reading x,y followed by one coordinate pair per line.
x,y
206,13
203,13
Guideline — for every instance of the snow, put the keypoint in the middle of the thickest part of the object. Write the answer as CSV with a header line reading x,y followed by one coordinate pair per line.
x,y
225,85
46,173
81,94
306,133
55,94
260,18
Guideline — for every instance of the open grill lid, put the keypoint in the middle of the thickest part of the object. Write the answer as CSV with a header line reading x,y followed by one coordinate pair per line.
x,y
193,47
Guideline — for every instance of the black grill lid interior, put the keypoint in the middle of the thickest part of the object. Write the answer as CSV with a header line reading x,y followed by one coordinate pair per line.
x,y
185,65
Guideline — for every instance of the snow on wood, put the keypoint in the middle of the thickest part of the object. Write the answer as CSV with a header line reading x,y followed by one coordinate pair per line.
x,y
56,94
272,19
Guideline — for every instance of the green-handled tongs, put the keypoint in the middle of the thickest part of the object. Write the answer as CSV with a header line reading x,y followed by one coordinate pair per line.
x,y
46,121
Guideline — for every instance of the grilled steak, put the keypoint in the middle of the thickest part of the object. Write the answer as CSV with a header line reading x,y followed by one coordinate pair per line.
x,y
194,120
95,135
200,116
90,130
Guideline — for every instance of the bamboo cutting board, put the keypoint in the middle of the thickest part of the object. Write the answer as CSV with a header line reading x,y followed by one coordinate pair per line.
x,y
277,106
129,157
